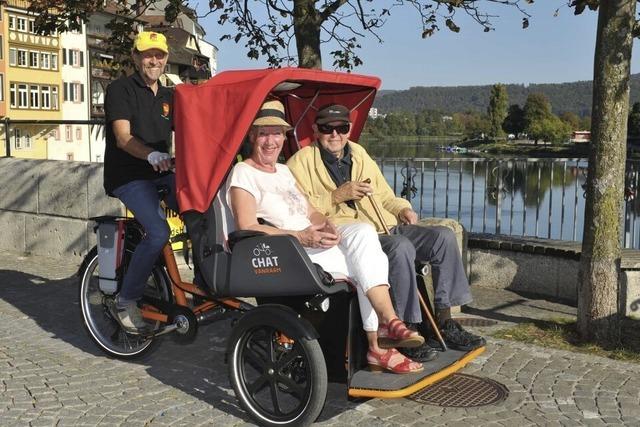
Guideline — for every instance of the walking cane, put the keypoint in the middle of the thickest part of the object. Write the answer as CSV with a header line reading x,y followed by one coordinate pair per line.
x,y
422,301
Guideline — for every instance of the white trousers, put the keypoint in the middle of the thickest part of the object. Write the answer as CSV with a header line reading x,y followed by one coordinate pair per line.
x,y
360,257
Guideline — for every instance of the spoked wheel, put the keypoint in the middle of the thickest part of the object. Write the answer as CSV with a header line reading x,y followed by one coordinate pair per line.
x,y
278,380
103,328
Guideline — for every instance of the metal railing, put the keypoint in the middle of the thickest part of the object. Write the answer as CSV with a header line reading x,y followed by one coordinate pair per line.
x,y
541,197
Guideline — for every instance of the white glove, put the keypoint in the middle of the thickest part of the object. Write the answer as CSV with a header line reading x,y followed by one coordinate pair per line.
x,y
155,158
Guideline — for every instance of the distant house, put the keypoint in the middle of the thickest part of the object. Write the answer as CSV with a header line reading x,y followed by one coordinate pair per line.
x,y
373,113
580,136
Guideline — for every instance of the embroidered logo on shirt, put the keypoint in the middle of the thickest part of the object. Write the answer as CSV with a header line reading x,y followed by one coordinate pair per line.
x,y
165,110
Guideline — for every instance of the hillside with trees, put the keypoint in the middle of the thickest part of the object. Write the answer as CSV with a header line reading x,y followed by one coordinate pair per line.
x,y
574,97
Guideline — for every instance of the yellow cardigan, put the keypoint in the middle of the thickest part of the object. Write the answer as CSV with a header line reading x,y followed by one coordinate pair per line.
x,y
314,180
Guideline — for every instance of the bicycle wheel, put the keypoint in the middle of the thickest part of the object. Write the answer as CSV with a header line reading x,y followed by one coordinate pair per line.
x,y
103,329
277,383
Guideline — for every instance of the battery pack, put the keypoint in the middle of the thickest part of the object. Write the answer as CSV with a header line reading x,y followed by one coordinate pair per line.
x,y
110,251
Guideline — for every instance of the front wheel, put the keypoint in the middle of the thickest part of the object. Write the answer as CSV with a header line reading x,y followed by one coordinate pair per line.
x,y
103,329
278,379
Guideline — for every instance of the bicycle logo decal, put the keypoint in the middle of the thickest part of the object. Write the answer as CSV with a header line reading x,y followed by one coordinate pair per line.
x,y
264,260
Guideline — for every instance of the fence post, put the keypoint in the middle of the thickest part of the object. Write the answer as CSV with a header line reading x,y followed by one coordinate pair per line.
x,y
7,140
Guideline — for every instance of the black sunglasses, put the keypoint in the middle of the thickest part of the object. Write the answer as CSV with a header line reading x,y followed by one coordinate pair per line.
x,y
328,129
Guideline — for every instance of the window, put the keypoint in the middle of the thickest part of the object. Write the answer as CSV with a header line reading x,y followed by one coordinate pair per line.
x,y
73,57
21,24
12,22
26,139
45,96
1,87
69,156
54,61
44,60
34,98
13,55
54,98
78,133
17,138
73,92
32,26
22,96
68,133
33,59
13,95
22,58
55,133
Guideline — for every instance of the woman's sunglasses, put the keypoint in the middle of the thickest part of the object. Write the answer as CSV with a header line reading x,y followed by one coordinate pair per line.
x,y
328,129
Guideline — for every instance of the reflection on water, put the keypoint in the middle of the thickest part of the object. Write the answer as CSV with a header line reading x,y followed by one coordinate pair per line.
x,y
524,196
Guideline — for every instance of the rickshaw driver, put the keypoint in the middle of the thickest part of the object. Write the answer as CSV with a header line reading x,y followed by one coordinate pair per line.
x,y
139,121
324,171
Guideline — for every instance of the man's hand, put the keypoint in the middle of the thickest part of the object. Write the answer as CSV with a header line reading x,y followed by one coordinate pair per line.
x,y
161,162
408,216
351,190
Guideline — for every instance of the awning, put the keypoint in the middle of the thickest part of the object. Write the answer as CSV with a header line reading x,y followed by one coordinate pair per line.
x,y
173,78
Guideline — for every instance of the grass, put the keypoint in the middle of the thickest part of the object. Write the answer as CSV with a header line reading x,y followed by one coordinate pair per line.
x,y
561,334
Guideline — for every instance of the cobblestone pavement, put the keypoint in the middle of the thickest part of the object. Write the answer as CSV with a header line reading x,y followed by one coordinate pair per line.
x,y
52,375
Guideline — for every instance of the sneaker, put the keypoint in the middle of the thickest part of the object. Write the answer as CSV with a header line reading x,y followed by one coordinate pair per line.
x,y
458,339
130,317
424,353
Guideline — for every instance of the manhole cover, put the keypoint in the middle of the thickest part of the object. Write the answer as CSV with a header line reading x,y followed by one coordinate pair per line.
x,y
461,390
475,321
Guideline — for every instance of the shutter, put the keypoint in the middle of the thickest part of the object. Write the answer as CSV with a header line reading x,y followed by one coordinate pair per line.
x,y
64,57
81,92
81,58
65,90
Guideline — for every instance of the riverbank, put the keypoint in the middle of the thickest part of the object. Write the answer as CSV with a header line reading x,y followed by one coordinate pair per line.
x,y
527,148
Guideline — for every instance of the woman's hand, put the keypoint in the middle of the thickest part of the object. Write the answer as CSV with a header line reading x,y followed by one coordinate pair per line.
x,y
317,236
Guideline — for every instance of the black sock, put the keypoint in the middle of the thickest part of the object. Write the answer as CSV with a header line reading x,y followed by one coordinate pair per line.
x,y
443,314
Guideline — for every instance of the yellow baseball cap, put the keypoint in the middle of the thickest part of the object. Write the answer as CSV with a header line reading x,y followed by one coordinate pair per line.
x,y
150,40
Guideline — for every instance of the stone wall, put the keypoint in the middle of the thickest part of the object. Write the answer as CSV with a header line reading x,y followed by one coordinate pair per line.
x,y
45,206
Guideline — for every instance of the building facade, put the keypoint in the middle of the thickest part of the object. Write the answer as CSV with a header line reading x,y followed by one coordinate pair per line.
x,y
33,80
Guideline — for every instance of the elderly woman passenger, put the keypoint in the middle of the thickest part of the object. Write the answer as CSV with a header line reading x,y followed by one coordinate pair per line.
x,y
262,188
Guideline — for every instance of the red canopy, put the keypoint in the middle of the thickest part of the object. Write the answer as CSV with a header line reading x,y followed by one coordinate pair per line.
x,y
212,119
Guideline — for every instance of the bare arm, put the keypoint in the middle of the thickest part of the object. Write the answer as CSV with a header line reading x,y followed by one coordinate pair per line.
x,y
244,208
133,146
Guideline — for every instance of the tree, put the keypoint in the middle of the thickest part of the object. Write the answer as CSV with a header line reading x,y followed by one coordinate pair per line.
x,y
571,119
536,110
275,29
497,109
598,305
514,122
633,128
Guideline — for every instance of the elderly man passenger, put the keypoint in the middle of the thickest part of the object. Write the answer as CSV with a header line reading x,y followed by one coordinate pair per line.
x,y
332,171
260,187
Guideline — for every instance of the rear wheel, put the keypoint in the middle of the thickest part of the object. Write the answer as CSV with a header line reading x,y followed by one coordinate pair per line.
x,y
102,327
278,381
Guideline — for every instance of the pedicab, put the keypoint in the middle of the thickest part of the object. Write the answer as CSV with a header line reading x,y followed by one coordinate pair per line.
x,y
304,324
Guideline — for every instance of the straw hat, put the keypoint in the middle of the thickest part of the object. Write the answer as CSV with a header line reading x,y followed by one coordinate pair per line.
x,y
271,114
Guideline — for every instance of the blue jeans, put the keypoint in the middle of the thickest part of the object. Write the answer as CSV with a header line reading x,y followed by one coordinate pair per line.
x,y
141,198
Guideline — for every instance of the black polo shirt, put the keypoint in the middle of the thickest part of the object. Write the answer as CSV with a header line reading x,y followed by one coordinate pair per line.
x,y
339,169
151,118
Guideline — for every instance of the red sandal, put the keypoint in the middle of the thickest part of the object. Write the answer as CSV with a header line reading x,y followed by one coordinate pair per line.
x,y
393,361
396,334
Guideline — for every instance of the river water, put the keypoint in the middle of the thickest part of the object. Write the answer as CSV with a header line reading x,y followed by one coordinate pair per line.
x,y
512,195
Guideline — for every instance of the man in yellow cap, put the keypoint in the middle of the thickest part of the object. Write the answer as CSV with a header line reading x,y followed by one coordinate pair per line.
x,y
139,123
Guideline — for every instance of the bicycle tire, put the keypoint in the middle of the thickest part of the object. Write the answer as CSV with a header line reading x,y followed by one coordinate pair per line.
x,y
96,317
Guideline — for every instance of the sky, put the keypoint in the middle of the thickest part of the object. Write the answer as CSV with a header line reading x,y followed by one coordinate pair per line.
x,y
554,49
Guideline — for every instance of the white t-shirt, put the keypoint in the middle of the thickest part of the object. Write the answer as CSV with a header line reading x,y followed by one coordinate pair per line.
x,y
278,199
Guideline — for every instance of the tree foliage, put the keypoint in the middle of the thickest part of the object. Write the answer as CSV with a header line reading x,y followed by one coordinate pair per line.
x,y
281,31
564,97
497,109
514,122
